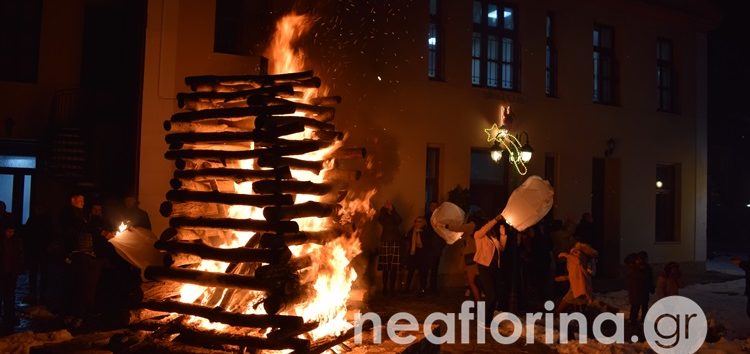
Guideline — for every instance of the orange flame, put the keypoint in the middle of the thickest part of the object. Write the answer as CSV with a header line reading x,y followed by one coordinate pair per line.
x,y
330,275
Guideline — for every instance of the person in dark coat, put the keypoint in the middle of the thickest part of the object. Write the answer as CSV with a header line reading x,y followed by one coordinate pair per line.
x,y
435,247
390,250
415,252
12,265
85,269
37,237
133,215
640,281
745,265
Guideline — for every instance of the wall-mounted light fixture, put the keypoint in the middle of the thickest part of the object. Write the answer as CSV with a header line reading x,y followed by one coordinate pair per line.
x,y
503,140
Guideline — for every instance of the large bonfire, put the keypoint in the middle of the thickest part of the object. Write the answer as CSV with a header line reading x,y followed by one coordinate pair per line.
x,y
327,276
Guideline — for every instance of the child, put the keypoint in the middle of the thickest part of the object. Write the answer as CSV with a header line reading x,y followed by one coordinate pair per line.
x,y
640,285
579,276
10,264
669,283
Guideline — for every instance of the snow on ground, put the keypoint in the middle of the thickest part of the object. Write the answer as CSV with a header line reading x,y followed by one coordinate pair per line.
x,y
724,305
22,342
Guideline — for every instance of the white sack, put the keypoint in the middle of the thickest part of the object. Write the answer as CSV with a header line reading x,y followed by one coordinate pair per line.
x,y
448,214
529,203
136,245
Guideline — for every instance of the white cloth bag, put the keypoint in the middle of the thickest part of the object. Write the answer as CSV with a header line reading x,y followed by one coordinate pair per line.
x,y
448,214
136,245
529,203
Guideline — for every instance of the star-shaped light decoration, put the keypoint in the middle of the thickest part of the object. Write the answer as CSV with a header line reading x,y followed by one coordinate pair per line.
x,y
492,133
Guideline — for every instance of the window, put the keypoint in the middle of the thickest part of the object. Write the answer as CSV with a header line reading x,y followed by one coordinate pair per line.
x,y
435,42
494,45
432,190
664,75
604,65
20,28
550,61
667,203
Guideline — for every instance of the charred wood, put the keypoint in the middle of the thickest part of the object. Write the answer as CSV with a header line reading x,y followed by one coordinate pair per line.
x,y
303,210
244,79
217,314
274,162
291,186
235,112
229,198
213,279
235,224
236,174
301,148
193,335
267,121
239,254
184,99
255,135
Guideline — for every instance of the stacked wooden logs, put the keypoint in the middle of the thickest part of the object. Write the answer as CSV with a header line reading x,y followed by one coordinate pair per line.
x,y
247,117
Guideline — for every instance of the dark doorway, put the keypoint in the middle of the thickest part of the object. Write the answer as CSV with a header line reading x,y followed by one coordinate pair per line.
x,y
605,209
489,182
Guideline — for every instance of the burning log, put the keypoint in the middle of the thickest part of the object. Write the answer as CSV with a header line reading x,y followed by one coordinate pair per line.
x,y
184,99
298,238
321,113
220,137
181,260
236,174
343,175
220,280
229,198
193,234
326,100
218,314
192,209
274,162
239,254
232,112
283,270
266,121
202,186
182,164
211,125
302,210
291,186
236,224
245,79
296,149
193,335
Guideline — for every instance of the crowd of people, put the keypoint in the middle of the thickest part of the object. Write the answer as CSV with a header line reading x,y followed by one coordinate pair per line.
x,y
511,270
72,268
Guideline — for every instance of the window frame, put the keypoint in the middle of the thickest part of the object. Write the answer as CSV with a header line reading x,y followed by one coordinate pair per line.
x,y
665,65
437,71
597,79
501,33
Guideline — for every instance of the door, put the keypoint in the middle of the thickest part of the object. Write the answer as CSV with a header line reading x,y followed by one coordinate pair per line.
x,y
15,185
489,182
605,209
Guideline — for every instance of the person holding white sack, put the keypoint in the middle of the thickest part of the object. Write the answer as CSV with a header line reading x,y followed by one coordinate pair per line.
x,y
490,243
